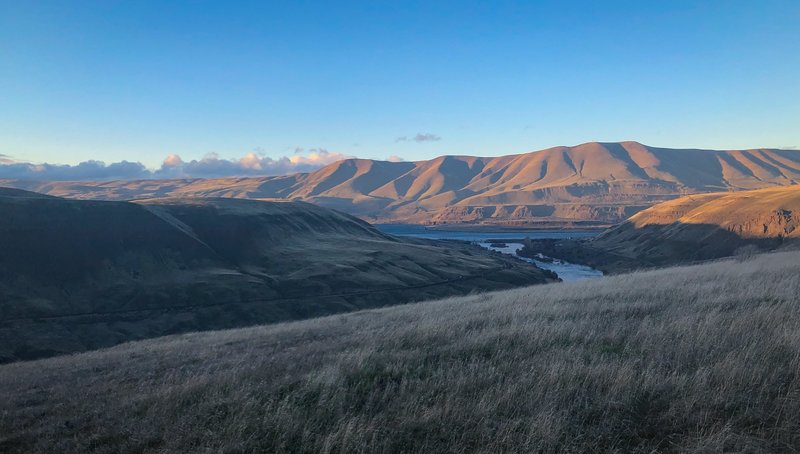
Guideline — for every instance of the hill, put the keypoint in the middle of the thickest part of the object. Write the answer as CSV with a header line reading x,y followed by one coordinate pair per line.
x,y
592,183
79,275
708,226
701,358
689,229
18,193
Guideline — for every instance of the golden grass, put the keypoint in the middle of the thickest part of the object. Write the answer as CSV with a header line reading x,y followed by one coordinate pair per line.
x,y
702,358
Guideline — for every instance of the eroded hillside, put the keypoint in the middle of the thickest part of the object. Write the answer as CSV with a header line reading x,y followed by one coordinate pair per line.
x,y
594,182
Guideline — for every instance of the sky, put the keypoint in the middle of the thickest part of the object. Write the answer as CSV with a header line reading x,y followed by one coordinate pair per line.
x,y
117,89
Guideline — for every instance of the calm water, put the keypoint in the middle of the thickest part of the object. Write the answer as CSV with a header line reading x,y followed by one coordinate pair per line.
x,y
420,231
568,272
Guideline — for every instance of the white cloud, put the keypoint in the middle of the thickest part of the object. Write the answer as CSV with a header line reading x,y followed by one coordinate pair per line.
x,y
395,158
317,157
172,160
251,161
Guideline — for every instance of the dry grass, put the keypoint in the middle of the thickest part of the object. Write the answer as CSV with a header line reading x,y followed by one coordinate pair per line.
x,y
702,358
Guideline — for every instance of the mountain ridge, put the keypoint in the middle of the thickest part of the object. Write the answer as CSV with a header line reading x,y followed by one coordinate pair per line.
x,y
596,181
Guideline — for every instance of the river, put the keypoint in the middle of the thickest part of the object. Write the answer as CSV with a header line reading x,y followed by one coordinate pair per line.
x,y
568,272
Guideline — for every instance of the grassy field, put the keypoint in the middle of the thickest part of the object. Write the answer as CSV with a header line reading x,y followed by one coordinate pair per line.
x,y
703,358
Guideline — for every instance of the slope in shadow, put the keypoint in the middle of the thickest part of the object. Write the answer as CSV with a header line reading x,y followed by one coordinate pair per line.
x,y
78,275
630,249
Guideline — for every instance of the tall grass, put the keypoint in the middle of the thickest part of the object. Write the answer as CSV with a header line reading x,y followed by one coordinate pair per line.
x,y
702,358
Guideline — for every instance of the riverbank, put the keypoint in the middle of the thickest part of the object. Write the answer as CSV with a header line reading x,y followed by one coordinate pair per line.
x,y
567,270
581,250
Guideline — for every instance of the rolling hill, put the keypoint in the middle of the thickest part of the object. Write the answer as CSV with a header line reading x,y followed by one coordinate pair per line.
x,y
695,359
691,228
708,226
599,183
78,275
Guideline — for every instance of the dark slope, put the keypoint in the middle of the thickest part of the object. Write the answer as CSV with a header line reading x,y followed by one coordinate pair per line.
x,y
78,275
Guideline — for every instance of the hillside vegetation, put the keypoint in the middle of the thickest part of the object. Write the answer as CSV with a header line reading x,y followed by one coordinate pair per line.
x,y
77,275
701,358
588,183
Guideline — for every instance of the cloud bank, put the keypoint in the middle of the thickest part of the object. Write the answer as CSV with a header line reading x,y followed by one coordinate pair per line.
x,y
173,166
88,170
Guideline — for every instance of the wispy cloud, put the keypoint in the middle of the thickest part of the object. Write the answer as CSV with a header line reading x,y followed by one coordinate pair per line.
x,y
420,137
395,158
426,137
173,166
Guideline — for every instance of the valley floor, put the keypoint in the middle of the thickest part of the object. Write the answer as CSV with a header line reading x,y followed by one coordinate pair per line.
x,y
700,358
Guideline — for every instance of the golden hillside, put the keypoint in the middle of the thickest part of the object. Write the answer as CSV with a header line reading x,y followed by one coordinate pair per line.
x,y
764,213
706,226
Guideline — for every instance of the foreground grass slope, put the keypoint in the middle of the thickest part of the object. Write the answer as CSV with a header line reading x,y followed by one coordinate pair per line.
x,y
695,358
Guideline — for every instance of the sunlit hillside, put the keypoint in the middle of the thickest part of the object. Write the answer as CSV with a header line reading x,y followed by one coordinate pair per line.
x,y
707,226
598,182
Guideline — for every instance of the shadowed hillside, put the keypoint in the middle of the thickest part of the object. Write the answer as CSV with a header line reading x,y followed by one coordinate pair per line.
x,y
78,275
694,359
599,182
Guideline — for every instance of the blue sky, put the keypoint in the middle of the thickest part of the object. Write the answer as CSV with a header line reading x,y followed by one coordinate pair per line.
x,y
141,80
